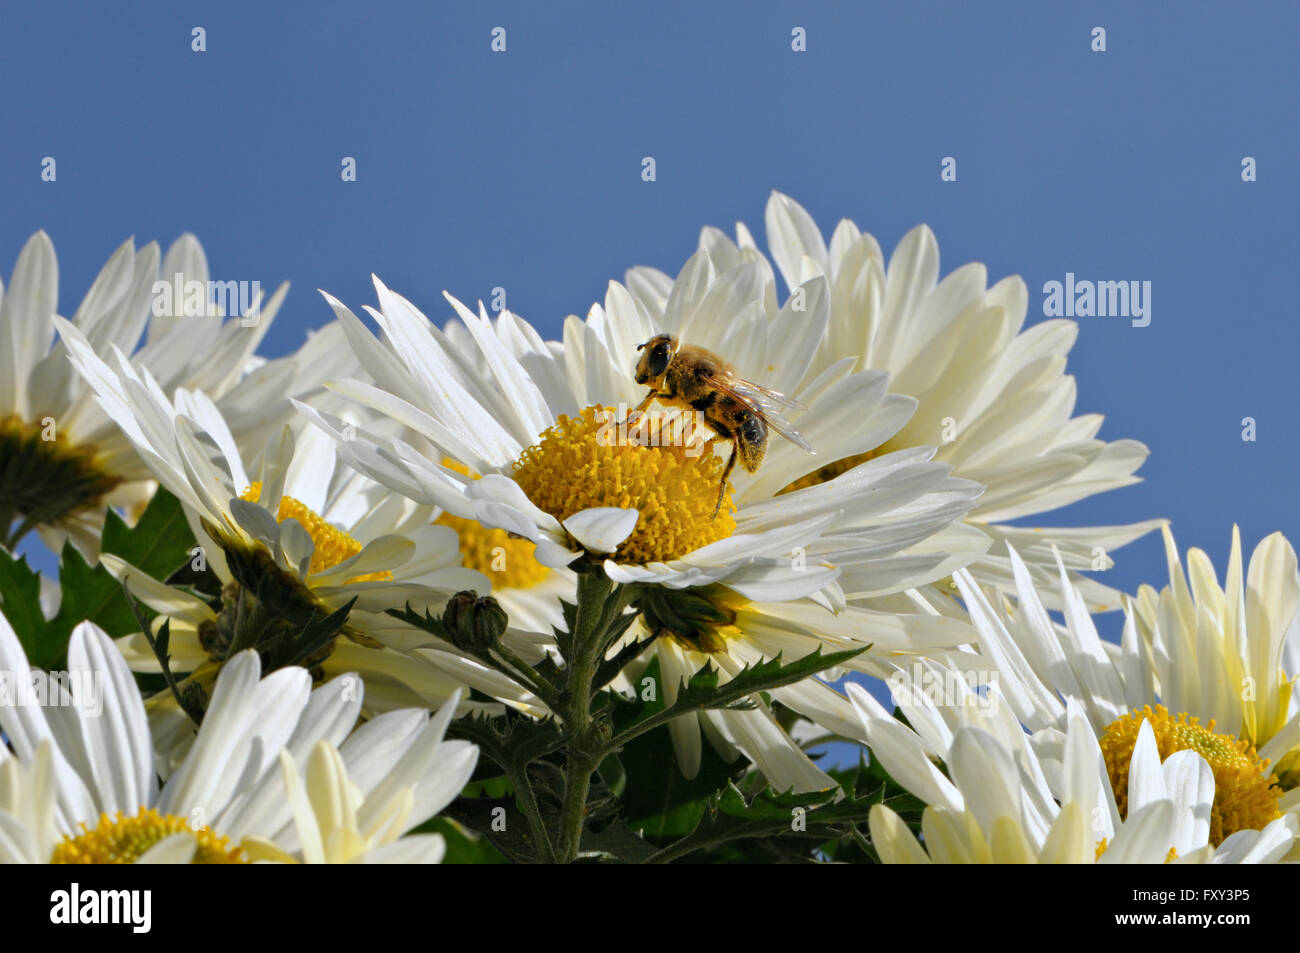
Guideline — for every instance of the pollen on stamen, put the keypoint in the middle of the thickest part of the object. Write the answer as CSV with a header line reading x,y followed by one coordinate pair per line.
x,y
332,545
124,840
590,461
1246,793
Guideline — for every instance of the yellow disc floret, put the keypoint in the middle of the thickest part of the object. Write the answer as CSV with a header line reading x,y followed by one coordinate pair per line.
x,y
509,562
332,545
1246,793
590,460
123,840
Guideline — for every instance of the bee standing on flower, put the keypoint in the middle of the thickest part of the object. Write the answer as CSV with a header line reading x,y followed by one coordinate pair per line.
x,y
736,409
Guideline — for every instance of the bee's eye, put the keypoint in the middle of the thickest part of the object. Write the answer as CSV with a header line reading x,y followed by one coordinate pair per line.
x,y
658,360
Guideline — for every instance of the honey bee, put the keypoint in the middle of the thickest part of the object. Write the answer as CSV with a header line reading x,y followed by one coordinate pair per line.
x,y
735,409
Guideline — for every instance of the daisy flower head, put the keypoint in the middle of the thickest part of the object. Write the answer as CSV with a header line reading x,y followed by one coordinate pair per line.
x,y
62,460
1201,665
306,555
541,440
992,396
81,784
554,461
1009,797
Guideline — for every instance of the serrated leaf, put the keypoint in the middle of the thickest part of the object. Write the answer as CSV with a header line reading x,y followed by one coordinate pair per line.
x,y
658,801
811,817
159,543
617,843
511,740
90,593
704,692
511,837
421,620
20,600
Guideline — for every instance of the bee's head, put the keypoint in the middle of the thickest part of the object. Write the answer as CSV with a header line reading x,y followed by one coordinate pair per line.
x,y
656,354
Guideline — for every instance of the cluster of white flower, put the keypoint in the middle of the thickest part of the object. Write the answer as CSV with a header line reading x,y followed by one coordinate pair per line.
x,y
546,542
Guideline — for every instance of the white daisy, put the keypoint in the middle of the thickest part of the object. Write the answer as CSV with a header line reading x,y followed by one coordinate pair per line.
x,y
532,428
81,786
535,431
298,540
1004,799
1193,628
61,459
529,591
1204,671
991,395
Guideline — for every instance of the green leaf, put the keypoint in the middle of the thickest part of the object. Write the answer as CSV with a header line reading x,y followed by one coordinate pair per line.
x,y
611,667
90,593
615,842
421,620
658,801
871,780
159,542
703,691
20,600
511,740
804,821
499,822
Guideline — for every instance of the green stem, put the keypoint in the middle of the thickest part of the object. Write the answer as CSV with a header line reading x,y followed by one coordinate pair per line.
x,y
528,804
670,853
641,727
597,599
573,811
521,671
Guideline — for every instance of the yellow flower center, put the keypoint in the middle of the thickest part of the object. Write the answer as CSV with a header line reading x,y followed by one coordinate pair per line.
x,y
1245,792
589,461
45,476
508,561
123,840
332,545
829,472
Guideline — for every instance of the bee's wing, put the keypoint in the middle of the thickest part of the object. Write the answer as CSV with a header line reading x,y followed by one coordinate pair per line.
x,y
774,396
763,401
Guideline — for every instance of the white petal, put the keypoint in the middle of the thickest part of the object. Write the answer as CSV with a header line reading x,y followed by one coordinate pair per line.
x,y
601,529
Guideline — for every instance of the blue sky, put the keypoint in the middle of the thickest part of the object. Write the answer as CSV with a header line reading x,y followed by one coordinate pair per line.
x,y
522,170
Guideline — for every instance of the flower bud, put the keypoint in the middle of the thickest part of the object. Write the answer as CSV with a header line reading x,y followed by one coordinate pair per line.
x,y
472,623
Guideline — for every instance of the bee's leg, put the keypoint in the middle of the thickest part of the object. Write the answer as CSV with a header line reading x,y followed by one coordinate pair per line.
x,y
722,486
640,408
